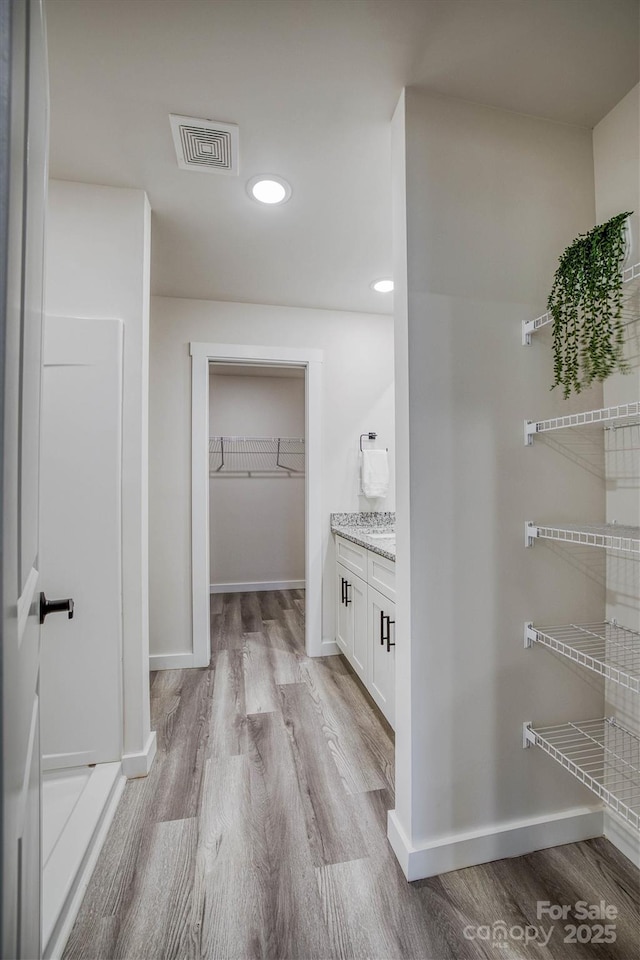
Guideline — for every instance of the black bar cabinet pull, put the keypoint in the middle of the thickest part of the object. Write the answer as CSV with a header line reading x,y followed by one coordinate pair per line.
x,y
55,606
382,636
347,598
388,637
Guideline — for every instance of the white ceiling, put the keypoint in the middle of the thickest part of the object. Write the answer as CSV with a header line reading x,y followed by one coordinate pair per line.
x,y
312,85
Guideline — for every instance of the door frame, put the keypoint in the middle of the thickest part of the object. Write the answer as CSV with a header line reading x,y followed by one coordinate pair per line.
x,y
202,354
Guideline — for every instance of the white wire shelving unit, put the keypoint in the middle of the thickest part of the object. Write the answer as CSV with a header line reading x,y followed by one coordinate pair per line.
x,y
630,305
608,649
601,754
608,536
256,456
608,418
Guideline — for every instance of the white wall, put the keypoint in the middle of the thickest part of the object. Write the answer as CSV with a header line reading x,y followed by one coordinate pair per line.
x,y
616,149
256,406
358,396
98,244
257,533
490,201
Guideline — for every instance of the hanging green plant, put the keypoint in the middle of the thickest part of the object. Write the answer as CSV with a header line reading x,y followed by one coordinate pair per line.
x,y
586,306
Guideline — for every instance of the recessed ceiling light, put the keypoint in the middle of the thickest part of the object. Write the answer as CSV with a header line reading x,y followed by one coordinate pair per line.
x,y
382,286
269,189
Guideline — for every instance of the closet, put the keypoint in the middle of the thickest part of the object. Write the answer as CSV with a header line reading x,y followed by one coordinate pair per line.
x,y
256,477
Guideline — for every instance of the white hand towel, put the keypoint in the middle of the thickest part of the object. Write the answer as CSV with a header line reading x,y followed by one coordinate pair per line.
x,y
375,473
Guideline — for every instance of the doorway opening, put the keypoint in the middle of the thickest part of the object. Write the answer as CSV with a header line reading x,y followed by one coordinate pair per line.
x,y
256,480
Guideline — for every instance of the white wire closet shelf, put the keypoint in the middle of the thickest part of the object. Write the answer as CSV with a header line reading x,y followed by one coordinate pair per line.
x,y
602,754
609,418
609,536
256,456
607,648
630,305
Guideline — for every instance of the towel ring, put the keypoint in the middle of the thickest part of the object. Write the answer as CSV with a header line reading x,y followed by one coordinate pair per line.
x,y
370,436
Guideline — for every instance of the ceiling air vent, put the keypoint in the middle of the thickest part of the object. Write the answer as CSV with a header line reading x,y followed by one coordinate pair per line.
x,y
205,145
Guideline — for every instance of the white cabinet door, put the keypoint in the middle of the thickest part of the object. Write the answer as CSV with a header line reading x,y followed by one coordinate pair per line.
x,y
344,622
357,601
381,680
351,619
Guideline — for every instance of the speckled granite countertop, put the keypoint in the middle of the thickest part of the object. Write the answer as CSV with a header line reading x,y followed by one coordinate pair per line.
x,y
374,531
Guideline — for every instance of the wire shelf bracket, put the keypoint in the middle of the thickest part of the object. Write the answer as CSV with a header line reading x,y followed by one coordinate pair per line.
x,y
607,536
608,649
601,754
609,418
629,307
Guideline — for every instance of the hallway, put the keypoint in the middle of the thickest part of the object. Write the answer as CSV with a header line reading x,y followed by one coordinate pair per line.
x,y
261,830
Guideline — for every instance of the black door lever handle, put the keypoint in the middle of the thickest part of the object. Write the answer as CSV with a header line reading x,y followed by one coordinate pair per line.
x,y
55,606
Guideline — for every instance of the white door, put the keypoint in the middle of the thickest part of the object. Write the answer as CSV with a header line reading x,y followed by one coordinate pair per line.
x,y
382,636
23,175
81,540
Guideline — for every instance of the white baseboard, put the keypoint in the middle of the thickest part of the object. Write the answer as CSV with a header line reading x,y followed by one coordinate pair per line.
x,y
170,661
85,843
257,587
512,839
139,764
622,836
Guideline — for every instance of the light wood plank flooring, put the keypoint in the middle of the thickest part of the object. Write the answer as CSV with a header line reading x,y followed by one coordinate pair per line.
x,y
261,830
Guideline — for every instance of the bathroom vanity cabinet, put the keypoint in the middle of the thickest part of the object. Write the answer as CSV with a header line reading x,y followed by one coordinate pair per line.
x,y
365,619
